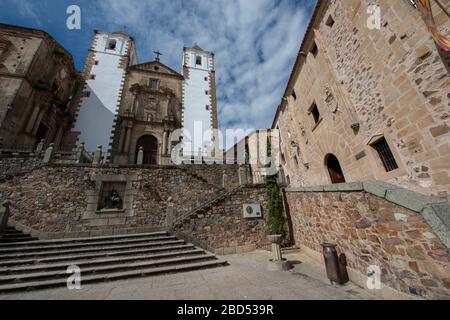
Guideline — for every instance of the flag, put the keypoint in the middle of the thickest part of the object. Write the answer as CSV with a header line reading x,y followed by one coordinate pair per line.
x,y
424,6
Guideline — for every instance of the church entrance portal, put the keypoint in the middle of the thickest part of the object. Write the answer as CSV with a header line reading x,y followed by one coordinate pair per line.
x,y
150,146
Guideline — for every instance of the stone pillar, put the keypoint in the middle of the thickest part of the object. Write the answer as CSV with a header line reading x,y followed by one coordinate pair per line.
x,y
80,152
39,148
97,156
140,156
38,122
224,179
164,144
126,149
123,132
32,120
4,216
58,137
48,156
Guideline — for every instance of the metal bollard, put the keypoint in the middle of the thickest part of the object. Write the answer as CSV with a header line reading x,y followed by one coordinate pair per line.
x,y
336,267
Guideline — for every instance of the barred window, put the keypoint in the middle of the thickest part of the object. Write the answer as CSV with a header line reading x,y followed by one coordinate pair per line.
x,y
386,156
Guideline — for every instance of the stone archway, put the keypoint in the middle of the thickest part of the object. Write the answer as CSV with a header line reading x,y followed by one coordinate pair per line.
x,y
150,145
334,169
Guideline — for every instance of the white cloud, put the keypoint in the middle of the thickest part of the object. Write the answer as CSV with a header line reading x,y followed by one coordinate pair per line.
x,y
255,42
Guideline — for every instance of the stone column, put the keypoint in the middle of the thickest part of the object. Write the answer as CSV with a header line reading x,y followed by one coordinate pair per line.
x,y
126,149
123,132
32,120
164,143
38,121
58,137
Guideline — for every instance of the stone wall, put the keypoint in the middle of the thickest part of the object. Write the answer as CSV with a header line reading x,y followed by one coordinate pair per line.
x,y
376,224
17,166
390,82
221,227
60,200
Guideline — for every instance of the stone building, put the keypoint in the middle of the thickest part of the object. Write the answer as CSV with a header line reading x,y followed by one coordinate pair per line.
x,y
104,75
368,104
37,82
150,110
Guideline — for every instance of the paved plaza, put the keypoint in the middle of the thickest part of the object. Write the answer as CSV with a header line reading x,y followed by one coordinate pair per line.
x,y
245,278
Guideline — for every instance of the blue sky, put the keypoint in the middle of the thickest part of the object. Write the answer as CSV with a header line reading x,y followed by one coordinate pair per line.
x,y
255,41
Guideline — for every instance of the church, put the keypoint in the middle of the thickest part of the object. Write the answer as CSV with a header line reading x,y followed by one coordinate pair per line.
x,y
127,107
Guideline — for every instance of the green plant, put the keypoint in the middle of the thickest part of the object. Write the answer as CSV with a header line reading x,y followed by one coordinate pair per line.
x,y
275,218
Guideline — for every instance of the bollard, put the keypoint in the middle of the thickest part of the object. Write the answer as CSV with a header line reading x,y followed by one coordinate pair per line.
x,y
335,267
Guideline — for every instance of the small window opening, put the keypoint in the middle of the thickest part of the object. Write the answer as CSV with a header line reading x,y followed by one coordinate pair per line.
x,y
92,77
154,84
198,60
330,21
385,154
315,113
294,95
112,44
314,50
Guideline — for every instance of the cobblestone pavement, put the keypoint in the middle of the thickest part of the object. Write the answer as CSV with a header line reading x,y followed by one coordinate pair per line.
x,y
246,277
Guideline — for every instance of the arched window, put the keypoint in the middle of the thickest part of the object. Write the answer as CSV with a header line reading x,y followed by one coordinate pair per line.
x,y
334,169
112,44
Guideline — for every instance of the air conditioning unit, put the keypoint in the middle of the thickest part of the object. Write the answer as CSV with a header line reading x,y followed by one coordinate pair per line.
x,y
252,211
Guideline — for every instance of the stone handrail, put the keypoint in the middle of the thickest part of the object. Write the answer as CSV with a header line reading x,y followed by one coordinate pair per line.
x,y
435,210
203,206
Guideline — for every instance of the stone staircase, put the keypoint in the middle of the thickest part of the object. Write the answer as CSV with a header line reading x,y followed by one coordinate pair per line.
x,y
11,235
43,264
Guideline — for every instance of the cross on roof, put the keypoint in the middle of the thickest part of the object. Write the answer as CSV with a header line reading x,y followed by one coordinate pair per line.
x,y
157,54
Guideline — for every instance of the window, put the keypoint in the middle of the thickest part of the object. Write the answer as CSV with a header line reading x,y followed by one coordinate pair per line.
x,y
96,62
206,78
207,108
154,84
92,77
385,153
330,21
87,94
112,44
314,50
294,95
315,113
206,92
198,60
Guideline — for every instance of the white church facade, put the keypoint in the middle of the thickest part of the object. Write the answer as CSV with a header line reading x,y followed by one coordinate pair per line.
x,y
115,83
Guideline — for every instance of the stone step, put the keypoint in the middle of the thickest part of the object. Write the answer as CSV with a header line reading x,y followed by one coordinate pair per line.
x,y
69,258
82,262
62,246
39,254
112,276
89,239
17,239
110,268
